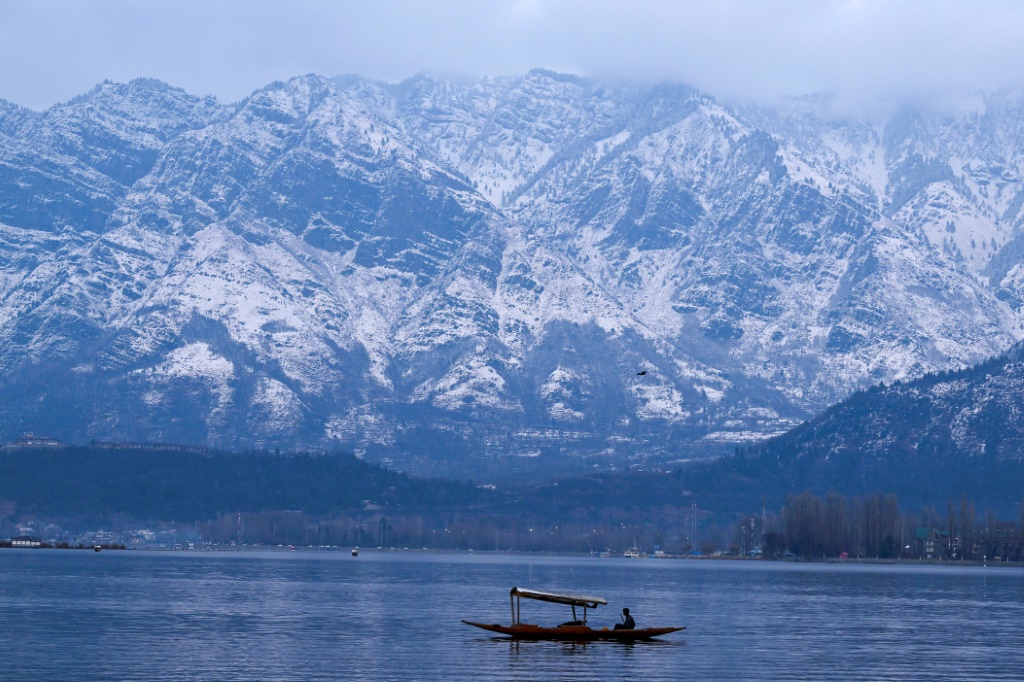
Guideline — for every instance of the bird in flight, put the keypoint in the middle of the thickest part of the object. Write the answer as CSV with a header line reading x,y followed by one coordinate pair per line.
x,y
642,374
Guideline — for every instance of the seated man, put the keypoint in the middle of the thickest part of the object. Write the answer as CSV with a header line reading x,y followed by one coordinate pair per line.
x,y
627,621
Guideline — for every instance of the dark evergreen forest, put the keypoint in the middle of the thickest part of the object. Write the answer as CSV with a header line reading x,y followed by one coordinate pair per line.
x,y
86,482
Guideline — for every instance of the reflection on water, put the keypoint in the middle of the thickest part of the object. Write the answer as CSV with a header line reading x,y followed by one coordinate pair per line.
x,y
329,616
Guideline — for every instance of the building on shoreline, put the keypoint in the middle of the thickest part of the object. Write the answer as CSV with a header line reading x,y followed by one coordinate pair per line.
x,y
931,543
31,440
26,541
131,445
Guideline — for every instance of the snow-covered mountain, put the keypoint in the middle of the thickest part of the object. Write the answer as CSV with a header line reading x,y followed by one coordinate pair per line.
x,y
447,275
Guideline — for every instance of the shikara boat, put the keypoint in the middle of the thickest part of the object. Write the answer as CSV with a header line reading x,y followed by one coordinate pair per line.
x,y
574,630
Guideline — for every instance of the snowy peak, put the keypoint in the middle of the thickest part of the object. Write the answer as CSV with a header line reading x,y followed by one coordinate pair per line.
x,y
119,129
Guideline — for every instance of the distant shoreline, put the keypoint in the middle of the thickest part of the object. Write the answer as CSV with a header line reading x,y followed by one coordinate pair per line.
x,y
6,544
345,551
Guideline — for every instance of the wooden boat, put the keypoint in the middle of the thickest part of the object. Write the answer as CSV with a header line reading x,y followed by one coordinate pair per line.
x,y
574,630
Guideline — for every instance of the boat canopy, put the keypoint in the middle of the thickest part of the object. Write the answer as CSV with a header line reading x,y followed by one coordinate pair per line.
x,y
571,599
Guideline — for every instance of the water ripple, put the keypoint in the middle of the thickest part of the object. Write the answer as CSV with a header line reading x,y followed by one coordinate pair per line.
x,y
328,616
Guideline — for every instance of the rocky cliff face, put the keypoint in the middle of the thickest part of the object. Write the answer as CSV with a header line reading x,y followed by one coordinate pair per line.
x,y
451,276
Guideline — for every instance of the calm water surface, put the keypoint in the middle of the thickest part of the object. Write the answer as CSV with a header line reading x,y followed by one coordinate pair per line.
x,y
70,615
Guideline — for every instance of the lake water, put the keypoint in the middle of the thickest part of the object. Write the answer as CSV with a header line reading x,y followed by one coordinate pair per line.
x,y
74,615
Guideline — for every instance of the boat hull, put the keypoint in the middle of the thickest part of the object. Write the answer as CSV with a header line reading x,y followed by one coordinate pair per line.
x,y
572,633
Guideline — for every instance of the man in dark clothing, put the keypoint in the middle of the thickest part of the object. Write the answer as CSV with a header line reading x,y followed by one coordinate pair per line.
x,y
627,621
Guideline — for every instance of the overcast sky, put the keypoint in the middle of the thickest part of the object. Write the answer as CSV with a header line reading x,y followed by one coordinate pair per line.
x,y
865,51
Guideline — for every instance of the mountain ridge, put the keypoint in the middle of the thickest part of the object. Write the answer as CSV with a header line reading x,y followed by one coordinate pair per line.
x,y
445,275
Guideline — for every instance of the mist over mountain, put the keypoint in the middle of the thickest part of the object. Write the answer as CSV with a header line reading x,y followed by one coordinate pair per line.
x,y
454,277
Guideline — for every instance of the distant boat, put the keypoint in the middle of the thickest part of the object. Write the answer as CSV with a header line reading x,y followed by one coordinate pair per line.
x,y
355,551
632,553
573,631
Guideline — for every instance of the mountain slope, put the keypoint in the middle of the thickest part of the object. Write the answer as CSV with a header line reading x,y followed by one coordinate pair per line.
x,y
491,275
929,441
937,437
972,413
